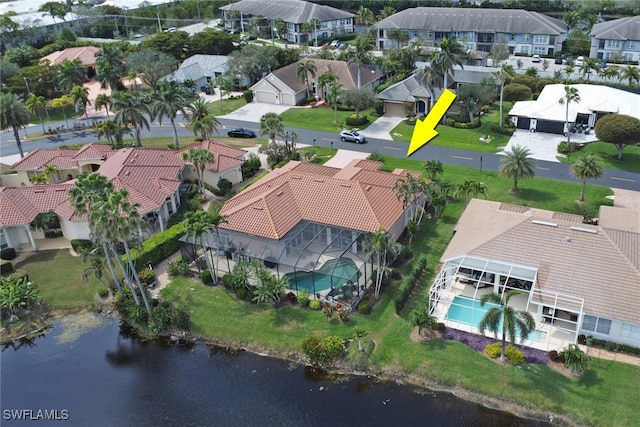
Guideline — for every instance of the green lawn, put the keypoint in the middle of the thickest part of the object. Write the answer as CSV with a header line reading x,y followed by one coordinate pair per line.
x,y
630,156
321,118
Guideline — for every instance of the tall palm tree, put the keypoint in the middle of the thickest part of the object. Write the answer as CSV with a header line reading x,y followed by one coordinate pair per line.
x,y
62,103
39,179
168,101
447,55
271,124
360,54
113,131
232,16
110,65
571,94
199,157
215,220
364,16
610,73
303,70
71,73
325,80
589,166
130,108
410,190
37,105
590,65
380,246
518,165
104,101
433,168
386,12
333,96
568,70
13,115
506,72
504,318
197,225
225,84
201,118
312,27
631,74
80,96
50,171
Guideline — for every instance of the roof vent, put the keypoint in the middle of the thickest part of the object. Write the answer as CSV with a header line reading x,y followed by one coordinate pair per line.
x,y
584,229
257,207
318,180
367,188
37,190
280,193
296,177
127,173
547,223
60,189
345,185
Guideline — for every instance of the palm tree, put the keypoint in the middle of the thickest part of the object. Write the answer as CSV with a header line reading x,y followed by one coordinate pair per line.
x,y
610,73
588,66
39,179
468,188
505,318
386,12
433,168
333,97
364,16
630,73
271,124
571,94
110,65
13,115
50,171
568,70
197,225
199,157
518,165
312,26
446,56
113,131
130,108
303,70
215,220
62,103
586,167
410,190
325,80
381,246
71,73
201,118
80,96
421,318
168,101
232,16
225,84
506,72
360,54
37,105
103,101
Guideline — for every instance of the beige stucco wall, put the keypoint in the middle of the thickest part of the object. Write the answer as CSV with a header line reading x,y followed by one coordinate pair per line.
x,y
13,180
74,229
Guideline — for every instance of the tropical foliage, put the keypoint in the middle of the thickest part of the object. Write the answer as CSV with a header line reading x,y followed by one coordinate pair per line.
x,y
618,129
18,297
517,165
588,166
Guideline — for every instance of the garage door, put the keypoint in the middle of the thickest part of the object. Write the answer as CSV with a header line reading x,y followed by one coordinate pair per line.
x,y
523,123
266,97
548,126
395,109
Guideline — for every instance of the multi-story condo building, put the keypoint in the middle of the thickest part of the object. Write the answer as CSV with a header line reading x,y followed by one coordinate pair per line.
x,y
617,40
525,33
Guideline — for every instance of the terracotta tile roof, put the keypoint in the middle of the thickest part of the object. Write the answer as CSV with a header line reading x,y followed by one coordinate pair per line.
x,y
619,218
41,157
94,151
225,156
20,205
86,55
308,192
602,266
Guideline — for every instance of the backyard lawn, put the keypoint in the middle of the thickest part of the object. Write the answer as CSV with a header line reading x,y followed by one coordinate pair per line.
x,y
321,118
607,152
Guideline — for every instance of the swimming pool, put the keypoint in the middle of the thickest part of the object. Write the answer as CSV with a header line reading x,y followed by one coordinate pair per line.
x,y
470,312
332,274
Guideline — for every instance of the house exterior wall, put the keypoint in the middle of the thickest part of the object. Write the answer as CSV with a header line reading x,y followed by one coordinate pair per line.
x,y
619,332
75,229
12,180
609,50
15,235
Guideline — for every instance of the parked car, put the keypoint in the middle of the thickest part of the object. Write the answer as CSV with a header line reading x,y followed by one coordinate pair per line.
x,y
579,61
535,58
335,43
246,38
241,133
206,88
559,59
352,136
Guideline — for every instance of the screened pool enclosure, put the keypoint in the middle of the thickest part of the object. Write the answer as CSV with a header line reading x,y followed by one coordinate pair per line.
x,y
326,261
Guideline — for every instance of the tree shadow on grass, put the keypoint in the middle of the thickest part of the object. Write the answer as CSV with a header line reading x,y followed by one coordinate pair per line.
x,y
528,195
590,378
42,256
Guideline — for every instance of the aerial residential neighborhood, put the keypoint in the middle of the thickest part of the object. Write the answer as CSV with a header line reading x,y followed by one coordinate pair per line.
x,y
236,173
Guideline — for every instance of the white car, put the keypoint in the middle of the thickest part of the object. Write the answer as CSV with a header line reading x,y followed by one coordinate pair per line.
x,y
352,136
579,61
535,58
335,43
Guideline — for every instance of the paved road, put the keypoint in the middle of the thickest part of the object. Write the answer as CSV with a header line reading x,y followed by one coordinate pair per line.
x,y
611,178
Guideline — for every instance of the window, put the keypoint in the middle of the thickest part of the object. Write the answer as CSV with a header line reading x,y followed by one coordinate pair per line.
x,y
524,50
628,57
596,324
381,33
631,331
526,37
629,44
613,44
540,50
540,39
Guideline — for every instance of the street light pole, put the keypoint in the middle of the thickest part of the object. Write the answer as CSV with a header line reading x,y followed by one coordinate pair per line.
x,y
27,84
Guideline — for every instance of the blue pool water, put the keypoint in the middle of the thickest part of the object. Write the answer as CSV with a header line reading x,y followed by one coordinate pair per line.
x,y
332,274
470,312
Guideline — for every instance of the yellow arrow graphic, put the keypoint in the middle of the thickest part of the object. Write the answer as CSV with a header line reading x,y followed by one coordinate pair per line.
x,y
425,131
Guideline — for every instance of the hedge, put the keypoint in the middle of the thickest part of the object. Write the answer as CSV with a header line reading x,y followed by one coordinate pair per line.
x,y
159,247
352,121
79,245
8,254
476,123
502,130
6,267
409,283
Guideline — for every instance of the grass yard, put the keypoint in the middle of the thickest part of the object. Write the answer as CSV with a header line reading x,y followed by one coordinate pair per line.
x,y
321,118
607,152
59,277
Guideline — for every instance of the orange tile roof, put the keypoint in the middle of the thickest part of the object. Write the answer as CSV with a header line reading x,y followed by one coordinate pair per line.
x,y
303,191
86,55
21,205
94,152
41,157
224,156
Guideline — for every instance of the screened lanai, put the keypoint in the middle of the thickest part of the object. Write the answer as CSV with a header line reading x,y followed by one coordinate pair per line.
x,y
463,280
324,260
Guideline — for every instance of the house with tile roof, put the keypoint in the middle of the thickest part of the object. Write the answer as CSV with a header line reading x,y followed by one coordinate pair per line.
x,y
283,86
574,278
35,162
308,222
86,55
227,163
525,33
295,13
202,69
618,39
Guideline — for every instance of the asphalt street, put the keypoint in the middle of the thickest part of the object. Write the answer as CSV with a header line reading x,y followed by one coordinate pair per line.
x,y
486,161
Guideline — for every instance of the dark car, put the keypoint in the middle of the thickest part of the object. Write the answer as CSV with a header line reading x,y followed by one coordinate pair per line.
x,y
559,59
241,133
206,88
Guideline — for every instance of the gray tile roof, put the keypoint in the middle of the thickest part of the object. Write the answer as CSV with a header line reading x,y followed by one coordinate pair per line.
x,y
618,29
295,11
199,66
407,90
481,20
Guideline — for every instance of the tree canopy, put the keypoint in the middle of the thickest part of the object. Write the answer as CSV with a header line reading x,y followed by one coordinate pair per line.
x,y
618,129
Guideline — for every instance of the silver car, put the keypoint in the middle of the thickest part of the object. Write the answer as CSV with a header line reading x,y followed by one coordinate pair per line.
x,y
352,136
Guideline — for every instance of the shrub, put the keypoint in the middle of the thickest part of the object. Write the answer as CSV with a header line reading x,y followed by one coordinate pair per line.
x,y
502,130
247,95
224,185
290,297
332,346
375,156
575,359
409,282
161,319
312,348
379,107
103,292
52,234
516,92
147,276
206,278
242,293
493,350
344,313
178,268
573,147
441,327
476,123
159,247
352,121
364,308
6,267
80,245
315,304
251,166
514,355
8,254
303,298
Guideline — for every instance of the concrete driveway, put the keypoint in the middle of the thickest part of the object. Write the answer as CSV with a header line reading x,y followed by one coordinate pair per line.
x,y
381,128
254,110
544,146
